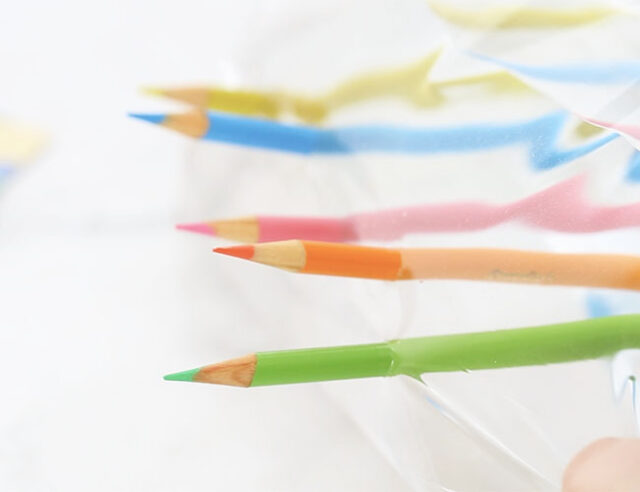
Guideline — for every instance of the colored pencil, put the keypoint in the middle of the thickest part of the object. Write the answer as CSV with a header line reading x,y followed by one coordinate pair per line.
x,y
410,83
517,16
533,346
561,207
540,134
495,265
591,72
19,143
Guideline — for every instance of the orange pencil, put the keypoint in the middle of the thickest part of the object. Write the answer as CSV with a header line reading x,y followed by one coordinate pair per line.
x,y
496,265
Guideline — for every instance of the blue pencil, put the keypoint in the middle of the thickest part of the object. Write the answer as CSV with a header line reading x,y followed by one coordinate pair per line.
x,y
540,135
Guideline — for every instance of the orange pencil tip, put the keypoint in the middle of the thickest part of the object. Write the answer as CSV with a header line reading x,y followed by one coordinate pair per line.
x,y
243,251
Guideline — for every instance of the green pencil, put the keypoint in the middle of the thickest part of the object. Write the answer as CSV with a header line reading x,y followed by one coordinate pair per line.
x,y
549,344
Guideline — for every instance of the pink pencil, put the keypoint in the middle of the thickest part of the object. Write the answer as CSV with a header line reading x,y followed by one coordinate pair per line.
x,y
559,208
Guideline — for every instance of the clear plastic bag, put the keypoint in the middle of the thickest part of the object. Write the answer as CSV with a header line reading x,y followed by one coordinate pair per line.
x,y
513,429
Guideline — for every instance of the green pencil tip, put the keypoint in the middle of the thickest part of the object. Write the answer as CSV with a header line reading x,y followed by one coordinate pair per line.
x,y
182,376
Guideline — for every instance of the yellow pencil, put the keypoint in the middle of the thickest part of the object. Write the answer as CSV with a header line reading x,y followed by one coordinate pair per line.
x,y
410,83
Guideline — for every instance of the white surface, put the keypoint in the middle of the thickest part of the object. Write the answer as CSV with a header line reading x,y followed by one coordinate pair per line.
x,y
95,306
99,296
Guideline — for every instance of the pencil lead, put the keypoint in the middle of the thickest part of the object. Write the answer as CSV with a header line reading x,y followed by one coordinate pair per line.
x,y
245,251
206,228
156,118
182,376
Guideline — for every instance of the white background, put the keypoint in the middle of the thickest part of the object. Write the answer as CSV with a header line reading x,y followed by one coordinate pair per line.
x,y
99,296
94,304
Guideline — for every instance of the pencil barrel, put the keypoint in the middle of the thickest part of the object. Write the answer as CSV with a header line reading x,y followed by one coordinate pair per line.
x,y
322,364
512,266
274,228
244,102
261,133
351,261
549,344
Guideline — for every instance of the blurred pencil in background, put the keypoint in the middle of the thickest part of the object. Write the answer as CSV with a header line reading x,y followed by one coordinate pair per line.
x,y
410,83
517,16
540,134
562,207
19,144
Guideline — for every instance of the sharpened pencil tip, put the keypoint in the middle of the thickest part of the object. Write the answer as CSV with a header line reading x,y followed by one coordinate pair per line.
x,y
155,118
245,251
200,228
182,376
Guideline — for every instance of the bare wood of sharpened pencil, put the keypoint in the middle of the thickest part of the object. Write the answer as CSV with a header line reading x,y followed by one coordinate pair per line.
x,y
194,123
288,255
233,372
244,229
195,96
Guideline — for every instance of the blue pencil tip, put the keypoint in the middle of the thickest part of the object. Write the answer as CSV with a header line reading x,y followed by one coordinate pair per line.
x,y
155,118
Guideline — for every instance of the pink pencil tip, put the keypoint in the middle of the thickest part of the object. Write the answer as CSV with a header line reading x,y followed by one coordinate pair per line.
x,y
200,228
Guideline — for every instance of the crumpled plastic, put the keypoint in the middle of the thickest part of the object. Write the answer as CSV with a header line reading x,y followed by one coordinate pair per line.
x,y
511,429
